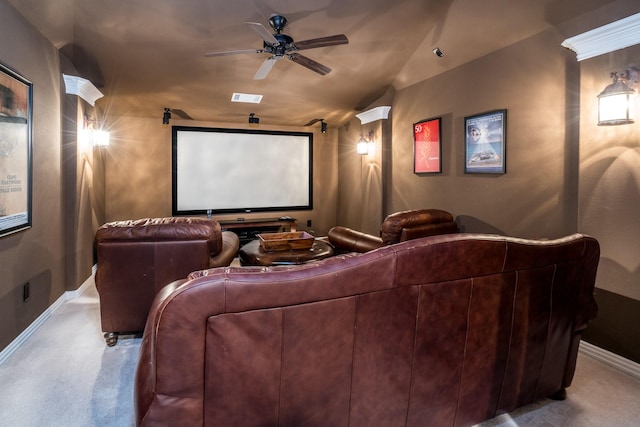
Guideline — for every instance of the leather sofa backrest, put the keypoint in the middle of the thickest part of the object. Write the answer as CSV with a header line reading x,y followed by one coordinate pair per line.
x,y
444,330
162,229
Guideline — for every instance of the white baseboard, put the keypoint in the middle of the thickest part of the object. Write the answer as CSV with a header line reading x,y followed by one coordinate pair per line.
x,y
618,362
20,339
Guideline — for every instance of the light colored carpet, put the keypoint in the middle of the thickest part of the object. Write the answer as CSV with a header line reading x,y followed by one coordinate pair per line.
x,y
65,376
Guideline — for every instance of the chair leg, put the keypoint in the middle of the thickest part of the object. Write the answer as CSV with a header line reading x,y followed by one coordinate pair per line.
x,y
111,338
559,395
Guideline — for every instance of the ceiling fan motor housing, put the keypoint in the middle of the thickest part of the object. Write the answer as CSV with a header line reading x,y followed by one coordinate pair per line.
x,y
283,46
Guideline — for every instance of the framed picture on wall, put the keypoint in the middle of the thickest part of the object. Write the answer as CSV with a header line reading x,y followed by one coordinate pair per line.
x,y
427,146
485,142
15,152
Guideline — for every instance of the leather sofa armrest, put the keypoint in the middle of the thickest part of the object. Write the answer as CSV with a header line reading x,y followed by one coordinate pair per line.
x,y
353,241
230,246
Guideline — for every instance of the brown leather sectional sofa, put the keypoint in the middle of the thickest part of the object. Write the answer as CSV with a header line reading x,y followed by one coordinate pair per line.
x,y
447,330
136,258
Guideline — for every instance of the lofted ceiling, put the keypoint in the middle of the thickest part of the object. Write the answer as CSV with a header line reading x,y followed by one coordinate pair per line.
x,y
145,55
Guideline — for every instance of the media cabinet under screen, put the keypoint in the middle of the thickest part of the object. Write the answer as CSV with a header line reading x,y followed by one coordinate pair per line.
x,y
217,170
248,230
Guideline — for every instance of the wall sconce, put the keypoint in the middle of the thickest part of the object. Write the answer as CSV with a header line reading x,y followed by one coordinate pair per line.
x,y
615,102
95,137
365,145
94,134
100,138
166,116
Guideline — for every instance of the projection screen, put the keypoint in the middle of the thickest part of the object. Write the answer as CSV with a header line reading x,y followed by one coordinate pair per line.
x,y
217,170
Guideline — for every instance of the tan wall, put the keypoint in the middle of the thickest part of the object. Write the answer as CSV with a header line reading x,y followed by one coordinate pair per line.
x,y
35,255
610,178
609,207
537,195
360,204
138,171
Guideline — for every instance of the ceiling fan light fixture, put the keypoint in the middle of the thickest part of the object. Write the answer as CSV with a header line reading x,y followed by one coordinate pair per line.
x,y
248,98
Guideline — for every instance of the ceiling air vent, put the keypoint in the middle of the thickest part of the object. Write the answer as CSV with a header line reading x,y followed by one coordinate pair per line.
x,y
246,97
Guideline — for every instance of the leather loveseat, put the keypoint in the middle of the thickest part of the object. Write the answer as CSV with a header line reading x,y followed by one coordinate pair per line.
x,y
446,330
397,227
136,258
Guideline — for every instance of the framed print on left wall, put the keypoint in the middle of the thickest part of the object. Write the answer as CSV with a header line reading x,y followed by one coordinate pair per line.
x,y
427,146
15,152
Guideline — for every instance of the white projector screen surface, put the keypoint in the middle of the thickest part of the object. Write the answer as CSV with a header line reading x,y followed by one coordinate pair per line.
x,y
227,170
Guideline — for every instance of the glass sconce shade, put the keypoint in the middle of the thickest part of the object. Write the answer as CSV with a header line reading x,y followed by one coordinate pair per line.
x,y
363,147
100,138
94,137
615,104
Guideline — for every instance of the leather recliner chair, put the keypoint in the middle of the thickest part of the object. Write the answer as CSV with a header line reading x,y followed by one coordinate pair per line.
x,y
137,258
397,227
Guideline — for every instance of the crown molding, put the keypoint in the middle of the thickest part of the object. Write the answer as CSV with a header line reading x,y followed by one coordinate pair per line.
x,y
374,114
605,39
83,88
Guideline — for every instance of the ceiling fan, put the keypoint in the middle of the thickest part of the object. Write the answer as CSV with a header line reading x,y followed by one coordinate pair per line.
x,y
281,45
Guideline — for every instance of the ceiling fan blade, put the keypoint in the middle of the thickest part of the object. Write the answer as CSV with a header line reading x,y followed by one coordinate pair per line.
x,y
309,63
321,42
265,68
233,52
262,32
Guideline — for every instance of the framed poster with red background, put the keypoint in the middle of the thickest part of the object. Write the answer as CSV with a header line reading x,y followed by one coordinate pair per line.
x,y
427,146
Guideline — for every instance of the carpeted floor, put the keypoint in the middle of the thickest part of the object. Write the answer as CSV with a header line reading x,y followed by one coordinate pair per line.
x,y
65,376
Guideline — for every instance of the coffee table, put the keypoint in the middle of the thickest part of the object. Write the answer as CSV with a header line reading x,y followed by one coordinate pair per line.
x,y
253,254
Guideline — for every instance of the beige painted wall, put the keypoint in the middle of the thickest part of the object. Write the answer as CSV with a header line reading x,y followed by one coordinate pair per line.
x,y
360,204
610,178
138,171
35,255
537,197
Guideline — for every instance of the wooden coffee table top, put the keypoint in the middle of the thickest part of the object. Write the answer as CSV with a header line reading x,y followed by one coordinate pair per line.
x,y
253,254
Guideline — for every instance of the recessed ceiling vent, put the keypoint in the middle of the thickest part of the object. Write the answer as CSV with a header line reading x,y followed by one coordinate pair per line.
x,y
246,97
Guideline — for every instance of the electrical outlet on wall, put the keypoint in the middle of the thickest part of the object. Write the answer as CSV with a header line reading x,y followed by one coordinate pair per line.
x,y
26,291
